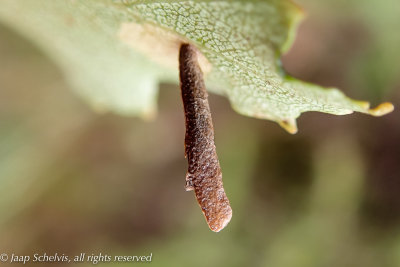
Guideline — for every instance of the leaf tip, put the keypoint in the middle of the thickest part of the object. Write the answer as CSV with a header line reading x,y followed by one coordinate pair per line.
x,y
381,109
149,115
99,107
297,14
289,125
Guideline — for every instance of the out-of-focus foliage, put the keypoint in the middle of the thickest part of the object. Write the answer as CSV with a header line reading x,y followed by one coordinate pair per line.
x,y
72,181
81,37
367,42
241,40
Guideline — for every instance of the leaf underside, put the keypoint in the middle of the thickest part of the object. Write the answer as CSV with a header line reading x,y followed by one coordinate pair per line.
x,y
116,52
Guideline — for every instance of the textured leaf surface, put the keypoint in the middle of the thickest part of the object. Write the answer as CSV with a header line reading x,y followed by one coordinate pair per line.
x,y
101,45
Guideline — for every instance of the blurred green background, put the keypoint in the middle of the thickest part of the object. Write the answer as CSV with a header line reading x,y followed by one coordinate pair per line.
x,y
73,181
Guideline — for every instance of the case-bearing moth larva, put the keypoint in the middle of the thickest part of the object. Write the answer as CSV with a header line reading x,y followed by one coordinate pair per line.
x,y
204,172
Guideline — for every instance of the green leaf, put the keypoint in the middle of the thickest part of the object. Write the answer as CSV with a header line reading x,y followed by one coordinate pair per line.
x,y
102,47
81,36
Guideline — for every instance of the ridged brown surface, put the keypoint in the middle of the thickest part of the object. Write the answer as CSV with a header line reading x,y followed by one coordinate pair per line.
x,y
204,173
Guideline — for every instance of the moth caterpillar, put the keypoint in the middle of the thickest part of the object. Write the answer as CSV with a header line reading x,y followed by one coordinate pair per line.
x,y
204,174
